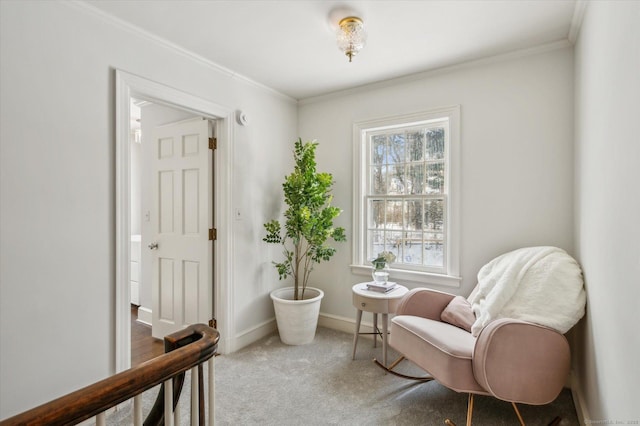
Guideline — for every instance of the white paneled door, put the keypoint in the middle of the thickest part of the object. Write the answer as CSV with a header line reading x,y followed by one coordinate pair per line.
x,y
181,217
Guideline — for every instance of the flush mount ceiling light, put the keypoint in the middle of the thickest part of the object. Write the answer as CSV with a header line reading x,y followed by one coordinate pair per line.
x,y
351,36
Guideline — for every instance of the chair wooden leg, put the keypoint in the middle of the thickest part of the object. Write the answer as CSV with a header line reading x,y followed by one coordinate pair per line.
x,y
515,407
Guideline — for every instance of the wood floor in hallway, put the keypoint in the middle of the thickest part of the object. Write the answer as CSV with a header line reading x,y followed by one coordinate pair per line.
x,y
143,346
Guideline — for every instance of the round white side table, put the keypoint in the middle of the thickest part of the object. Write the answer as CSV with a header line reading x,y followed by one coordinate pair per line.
x,y
376,303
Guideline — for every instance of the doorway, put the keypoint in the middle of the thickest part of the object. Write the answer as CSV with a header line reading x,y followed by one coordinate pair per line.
x,y
171,254
130,87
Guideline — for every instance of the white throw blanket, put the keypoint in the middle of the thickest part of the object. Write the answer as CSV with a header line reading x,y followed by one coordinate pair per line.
x,y
542,285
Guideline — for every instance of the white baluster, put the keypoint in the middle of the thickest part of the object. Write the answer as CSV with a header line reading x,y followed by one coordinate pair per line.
x,y
176,413
100,419
211,365
137,410
194,396
168,402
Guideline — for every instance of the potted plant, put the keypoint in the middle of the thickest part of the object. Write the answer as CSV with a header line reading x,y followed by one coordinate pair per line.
x,y
380,271
307,227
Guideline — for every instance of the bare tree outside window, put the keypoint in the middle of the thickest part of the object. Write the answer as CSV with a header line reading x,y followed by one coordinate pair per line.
x,y
406,195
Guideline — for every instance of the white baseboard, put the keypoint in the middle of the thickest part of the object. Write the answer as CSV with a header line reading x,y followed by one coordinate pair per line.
x,y
578,399
145,315
253,334
335,322
348,325
244,338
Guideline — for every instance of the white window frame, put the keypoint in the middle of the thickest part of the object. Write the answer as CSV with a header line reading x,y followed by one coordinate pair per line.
x,y
400,272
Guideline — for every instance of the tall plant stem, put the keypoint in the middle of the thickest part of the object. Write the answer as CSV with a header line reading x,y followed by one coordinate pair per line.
x,y
299,256
307,270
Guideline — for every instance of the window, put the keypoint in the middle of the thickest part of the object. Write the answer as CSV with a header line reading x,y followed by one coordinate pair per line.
x,y
407,194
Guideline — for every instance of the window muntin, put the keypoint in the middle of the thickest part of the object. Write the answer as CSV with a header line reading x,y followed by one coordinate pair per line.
x,y
406,194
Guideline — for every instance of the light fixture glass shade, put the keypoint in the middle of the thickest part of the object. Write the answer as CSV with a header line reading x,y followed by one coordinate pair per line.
x,y
351,36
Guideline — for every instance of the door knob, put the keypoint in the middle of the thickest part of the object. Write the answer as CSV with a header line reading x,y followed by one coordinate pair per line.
x,y
153,246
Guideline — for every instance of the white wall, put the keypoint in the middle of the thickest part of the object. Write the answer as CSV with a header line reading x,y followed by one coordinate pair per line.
x,y
57,189
517,156
57,185
607,127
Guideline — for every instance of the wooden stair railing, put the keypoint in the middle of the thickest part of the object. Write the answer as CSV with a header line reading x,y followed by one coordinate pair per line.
x,y
187,349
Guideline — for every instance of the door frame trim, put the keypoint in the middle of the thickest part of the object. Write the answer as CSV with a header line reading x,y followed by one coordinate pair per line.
x,y
132,86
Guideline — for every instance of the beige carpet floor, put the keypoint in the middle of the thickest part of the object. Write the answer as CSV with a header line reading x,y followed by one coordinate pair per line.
x,y
269,383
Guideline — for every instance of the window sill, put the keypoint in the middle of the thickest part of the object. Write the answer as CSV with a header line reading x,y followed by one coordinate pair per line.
x,y
401,275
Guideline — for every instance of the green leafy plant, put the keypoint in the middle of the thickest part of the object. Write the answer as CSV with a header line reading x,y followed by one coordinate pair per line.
x,y
308,221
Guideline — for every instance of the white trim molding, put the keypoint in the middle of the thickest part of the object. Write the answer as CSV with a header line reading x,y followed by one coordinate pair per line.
x,y
253,334
340,323
450,276
576,21
578,399
424,278
128,86
145,315
520,53
146,35
347,325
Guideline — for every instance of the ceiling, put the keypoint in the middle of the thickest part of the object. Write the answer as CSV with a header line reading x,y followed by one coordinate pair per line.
x,y
290,45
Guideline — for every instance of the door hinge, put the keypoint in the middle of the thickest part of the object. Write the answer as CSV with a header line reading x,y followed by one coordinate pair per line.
x,y
213,323
213,143
213,234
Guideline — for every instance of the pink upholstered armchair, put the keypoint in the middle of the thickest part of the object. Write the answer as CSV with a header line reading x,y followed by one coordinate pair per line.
x,y
514,360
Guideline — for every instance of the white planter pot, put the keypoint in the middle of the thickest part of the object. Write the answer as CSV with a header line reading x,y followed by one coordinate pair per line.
x,y
297,319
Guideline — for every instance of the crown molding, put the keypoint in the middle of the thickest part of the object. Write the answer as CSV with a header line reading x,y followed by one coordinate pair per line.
x,y
521,53
146,35
576,21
